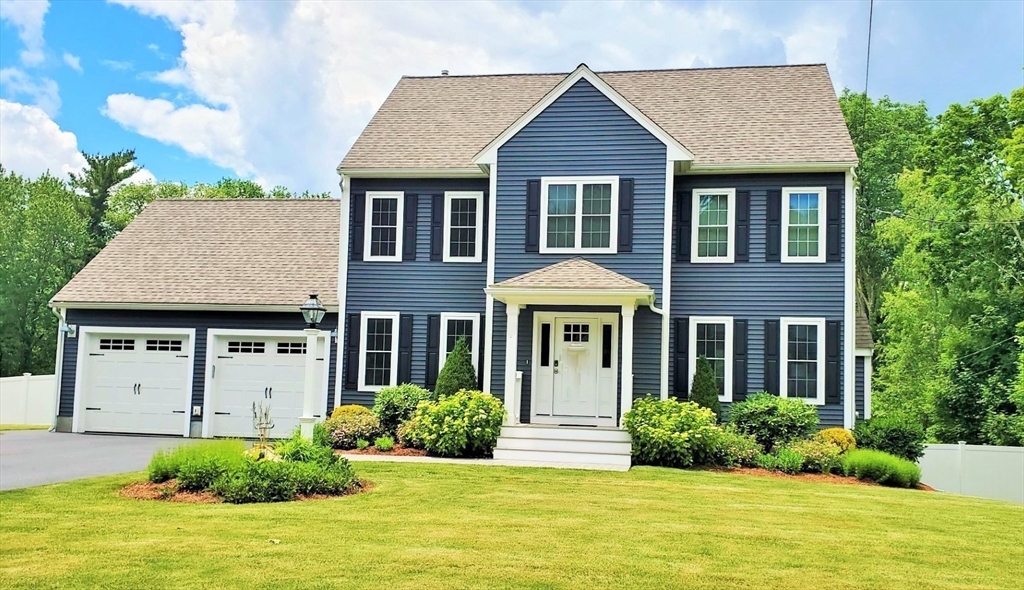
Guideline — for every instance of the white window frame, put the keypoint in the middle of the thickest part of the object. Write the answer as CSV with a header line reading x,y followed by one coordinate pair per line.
x,y
449,196
443,344
784,324
729,358
368,228
730,194
394,316
822,223
579,181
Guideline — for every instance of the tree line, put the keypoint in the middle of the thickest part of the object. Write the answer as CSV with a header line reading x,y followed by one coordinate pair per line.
x,y
51,227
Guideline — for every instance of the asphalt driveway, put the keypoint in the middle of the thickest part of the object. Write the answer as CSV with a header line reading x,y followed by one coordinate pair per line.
x,y
31,458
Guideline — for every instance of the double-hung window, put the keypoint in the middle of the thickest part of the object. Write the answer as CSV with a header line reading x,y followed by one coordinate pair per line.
x,y
714,216
579,215
803,359
459,325
803,224
463,236
378,350
711,337
383,228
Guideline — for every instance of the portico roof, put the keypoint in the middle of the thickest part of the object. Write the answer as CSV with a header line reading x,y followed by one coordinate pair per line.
x,y
576,280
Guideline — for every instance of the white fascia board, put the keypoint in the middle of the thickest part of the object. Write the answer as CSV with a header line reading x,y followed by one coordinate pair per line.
x,y
572,296
770,167
469,172
675,150
185,307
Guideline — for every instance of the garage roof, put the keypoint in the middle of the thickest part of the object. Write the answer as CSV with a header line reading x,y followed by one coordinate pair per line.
x,y
216,253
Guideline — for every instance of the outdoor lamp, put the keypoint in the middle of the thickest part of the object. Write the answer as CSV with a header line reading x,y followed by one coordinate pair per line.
x,y
313,311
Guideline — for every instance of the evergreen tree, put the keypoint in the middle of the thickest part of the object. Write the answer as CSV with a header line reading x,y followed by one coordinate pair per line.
x,y
704,389
104,172
458,372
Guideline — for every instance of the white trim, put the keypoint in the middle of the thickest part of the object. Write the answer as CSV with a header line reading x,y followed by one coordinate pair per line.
x,y
863,352
674,149
516,296
729,358
289,308
399,197
58,365
822,223
477,248
579,181
346,203
83,345
772,167
394,316
730,197
481,172
443,344
849,299
512,394
474,172
212,334
491,248
867,387
784,324
666,276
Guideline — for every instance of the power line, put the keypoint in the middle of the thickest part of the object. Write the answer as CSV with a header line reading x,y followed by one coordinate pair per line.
x,y
867,62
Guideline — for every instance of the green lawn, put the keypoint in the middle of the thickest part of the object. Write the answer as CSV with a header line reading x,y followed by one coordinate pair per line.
x,y
24,427
444,526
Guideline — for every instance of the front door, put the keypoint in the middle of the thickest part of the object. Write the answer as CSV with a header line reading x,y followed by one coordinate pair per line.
x,y
575,367
574,377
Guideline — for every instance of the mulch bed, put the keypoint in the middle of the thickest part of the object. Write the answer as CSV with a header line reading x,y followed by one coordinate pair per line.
x,y
815,477
397,450
169,492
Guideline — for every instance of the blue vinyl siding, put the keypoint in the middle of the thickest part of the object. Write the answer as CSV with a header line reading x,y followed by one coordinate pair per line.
x,y
201,321
419,287
758,290
583,133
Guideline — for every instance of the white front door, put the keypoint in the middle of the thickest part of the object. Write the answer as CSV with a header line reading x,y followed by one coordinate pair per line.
x,y
574,376
575,367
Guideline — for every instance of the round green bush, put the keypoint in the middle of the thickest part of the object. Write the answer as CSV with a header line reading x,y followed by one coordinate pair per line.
x,y
734,449
346,429
350,409
774,421
896,434
819,456
394,405
671,433
882,468
384,443
466,424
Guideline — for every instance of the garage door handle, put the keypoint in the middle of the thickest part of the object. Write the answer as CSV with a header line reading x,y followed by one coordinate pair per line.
x,y
94,408
179,411
222,413
271,393
182,356
265,392
96,354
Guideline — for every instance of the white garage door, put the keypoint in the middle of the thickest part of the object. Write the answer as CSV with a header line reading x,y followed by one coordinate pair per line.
x,y
267,371
135,383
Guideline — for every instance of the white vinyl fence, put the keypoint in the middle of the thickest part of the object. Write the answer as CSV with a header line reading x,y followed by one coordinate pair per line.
x,y
27,399
975,470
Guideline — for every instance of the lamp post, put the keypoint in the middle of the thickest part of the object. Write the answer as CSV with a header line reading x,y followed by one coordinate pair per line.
x,y
312,313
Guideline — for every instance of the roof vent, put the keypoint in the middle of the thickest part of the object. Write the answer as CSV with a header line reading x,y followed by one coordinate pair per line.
x,y
444,72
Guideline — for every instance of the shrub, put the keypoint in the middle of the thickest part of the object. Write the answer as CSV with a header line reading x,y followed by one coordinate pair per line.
x,y
465,424
334,477
732,449
788,460
394,405
409,434
458,372
882,468
348,428
321,437
819,456
297,448
257,481
704,390
671,433
840,437
362,444
897,434
384,443
166,464
349,410
198,473
773,420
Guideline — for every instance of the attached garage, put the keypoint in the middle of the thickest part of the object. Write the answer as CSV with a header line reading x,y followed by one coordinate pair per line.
x,y
247,369
134,380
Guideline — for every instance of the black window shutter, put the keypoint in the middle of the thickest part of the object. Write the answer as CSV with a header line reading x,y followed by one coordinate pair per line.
x,y
832,362
773,247
533,216
681,383
771,356
433,349
352,352
480,353
358,223
739,362
742,226
437,227
834,229
486,227
404,348
684,220
625,215
411,212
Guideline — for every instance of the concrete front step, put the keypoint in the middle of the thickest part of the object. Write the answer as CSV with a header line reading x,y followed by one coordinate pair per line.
x,y
613,462
564,445
565,433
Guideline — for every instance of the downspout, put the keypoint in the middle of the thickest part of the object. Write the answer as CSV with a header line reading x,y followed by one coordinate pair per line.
x,y
58,369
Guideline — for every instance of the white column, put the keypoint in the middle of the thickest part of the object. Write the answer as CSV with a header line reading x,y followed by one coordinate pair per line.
x,y
308,394
867,387
627,359
511,349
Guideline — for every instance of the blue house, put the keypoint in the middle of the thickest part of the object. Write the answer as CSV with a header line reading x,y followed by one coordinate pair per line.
x,y
589,234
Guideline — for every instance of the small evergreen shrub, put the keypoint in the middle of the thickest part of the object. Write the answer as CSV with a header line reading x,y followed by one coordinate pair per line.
x,y
362,444
840,437
465,424
458,372
350,409
671,433
348,428
882,468
704,390
166,464
394,405
896,434
384,443
774,421
819,456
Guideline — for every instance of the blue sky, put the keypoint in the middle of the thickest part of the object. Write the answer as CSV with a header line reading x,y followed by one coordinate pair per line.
x,y
277,91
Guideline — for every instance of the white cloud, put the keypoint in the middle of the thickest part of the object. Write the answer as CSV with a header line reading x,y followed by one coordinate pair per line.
x,y
279,91
73,62
31,143
27,17
41,92
118,66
